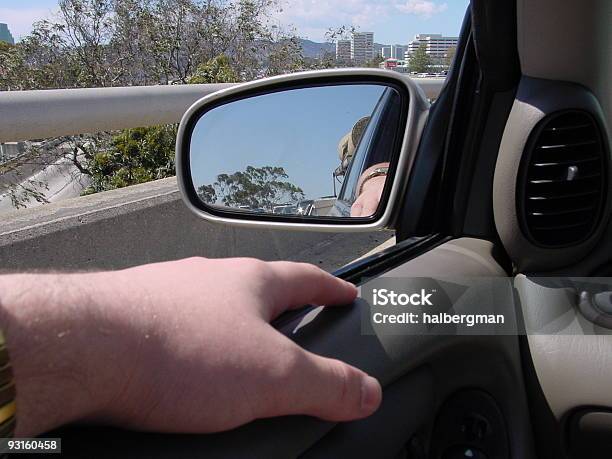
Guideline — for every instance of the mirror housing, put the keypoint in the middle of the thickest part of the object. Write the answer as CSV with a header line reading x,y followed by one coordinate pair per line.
x,y
413,113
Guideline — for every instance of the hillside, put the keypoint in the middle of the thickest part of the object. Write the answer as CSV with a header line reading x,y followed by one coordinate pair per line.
x,y
313,49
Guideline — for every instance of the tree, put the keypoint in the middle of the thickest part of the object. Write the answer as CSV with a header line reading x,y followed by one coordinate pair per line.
x,y
86,28
263,187
284,55
420,61
39,61
136,42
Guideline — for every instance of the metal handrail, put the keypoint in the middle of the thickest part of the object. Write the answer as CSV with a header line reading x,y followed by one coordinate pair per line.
x,y
28,115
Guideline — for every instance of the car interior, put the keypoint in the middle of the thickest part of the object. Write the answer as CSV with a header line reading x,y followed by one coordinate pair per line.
x,y
509,178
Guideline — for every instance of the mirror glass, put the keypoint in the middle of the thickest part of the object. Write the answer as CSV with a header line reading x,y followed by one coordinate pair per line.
x,y
315,152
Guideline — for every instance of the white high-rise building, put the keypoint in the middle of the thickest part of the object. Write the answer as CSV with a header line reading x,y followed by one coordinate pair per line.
x,y
436,46
343,50
362,47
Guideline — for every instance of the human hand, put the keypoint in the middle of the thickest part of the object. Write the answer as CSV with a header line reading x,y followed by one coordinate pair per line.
x,y
370,191
367,202
181,346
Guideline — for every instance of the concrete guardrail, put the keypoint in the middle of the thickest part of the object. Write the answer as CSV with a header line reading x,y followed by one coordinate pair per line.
x,y
148,223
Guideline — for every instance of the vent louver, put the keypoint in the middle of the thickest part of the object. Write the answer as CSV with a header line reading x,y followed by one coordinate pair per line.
x,y
563,180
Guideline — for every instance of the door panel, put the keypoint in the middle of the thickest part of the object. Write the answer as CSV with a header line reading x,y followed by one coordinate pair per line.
x,y
418,373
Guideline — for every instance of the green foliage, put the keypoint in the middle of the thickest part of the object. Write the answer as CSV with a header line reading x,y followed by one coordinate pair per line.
x,y
420,61
284,56
216,70
39,61
95,43
134,156
256,188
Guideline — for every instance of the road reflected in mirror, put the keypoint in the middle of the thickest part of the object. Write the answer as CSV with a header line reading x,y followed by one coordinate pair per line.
x,y
310,152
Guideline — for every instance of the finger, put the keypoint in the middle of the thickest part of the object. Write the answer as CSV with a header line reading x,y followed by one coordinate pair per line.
x,y
299,284
325,388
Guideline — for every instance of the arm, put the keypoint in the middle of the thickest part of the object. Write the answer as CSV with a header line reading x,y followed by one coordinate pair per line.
x,y
180,346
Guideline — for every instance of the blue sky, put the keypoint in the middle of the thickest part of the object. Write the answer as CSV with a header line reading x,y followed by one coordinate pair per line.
x,y
395,21
302,137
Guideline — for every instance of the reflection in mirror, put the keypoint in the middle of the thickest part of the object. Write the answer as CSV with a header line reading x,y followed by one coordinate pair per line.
x,y
309,152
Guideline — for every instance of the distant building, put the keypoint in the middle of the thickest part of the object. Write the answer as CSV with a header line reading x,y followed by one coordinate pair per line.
x,y
343,50
362,47
385,51
436,46
5,34
398,51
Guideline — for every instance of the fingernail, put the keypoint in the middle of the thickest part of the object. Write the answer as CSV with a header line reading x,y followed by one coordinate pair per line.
x,y
371,394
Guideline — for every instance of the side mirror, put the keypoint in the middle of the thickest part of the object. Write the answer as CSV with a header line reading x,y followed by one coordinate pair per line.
x,y
324,150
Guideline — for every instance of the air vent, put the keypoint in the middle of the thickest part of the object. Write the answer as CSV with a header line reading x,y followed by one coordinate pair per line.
x,y
562,180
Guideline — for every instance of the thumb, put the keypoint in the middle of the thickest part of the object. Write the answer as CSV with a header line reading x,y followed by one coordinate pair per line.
x,y
328,389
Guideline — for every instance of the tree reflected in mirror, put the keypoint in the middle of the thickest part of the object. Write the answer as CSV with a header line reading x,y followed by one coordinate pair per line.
x,y
256,188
